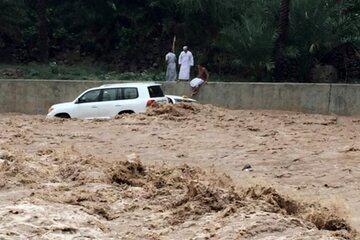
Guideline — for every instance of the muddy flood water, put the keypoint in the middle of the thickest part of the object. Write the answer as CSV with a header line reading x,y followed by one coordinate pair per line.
x,y
181,172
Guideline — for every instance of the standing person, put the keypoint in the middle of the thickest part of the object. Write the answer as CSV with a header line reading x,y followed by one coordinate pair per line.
x,y
202,78
186,61
170,59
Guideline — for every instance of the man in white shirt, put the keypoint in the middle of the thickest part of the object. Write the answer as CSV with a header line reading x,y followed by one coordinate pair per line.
x,y
171,66
186,61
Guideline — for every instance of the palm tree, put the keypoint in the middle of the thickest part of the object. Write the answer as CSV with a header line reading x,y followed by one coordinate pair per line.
x,y
283,32
11,17
41,7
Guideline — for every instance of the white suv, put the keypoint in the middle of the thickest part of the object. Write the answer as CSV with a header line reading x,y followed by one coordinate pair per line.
x,y
110,100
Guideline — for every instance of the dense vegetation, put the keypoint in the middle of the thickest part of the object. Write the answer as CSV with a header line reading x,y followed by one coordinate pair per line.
x,y
253,39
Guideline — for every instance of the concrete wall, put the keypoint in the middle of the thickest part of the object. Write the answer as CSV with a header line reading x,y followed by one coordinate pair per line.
x,y
345,99
311,98
36,96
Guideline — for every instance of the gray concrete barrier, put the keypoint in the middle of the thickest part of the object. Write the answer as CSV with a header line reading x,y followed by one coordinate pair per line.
x,y
345,99
36,96
311,98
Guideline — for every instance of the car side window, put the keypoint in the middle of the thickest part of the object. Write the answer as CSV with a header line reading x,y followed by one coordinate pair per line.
x,y
129,93
109,95
92,96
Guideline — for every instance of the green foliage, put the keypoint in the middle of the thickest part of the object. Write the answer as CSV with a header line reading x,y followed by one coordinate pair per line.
x,y
12,18
250,41
317,27
229,36
54,70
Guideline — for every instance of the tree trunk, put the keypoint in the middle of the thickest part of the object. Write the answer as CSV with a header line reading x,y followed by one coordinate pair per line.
x,y
43,42
283,32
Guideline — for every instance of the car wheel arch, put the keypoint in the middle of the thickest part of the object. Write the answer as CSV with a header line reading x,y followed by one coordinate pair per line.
x,y
126,112
63,115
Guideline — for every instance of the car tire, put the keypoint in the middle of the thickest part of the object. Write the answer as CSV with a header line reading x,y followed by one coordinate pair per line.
x,y
62,115
126,112
170,101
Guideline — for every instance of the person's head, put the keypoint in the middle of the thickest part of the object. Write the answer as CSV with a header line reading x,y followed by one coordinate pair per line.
x,y
171,50
185,48
200,66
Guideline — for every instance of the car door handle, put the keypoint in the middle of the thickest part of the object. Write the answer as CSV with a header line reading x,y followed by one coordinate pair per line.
x,y
94,107
117,105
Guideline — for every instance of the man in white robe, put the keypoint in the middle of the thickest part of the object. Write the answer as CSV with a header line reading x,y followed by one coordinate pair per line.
x,y
186,61
171,66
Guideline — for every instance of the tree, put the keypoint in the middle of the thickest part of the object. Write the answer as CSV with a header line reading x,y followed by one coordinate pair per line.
x,y
249,43
12,21
43,32
280,44
244,38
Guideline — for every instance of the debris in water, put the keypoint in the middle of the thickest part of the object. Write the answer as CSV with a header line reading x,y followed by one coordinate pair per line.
x,y
247,168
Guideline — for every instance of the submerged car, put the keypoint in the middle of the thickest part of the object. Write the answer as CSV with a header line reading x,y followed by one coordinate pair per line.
x,y
177,99
110,100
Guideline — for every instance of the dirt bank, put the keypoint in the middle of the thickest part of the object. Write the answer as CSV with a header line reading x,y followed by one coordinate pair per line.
x,y
176,173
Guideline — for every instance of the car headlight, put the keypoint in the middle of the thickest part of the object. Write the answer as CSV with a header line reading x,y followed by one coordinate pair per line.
x,y
50,110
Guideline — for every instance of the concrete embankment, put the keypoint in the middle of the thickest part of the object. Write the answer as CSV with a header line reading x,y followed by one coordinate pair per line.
x,y
35,96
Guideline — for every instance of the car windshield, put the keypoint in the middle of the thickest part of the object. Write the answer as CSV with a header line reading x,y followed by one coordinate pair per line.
x,y
155,91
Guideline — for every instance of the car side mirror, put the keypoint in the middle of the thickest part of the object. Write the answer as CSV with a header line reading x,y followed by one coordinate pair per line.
x,y
78,101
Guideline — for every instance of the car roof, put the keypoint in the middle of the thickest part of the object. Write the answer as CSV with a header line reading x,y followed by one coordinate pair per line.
x,y
134,84
120,85
180,98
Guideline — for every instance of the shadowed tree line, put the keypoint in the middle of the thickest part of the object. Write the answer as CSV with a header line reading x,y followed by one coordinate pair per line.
x,y
272,40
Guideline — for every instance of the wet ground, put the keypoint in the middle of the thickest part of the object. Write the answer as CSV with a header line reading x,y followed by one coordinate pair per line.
x,y
177,173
